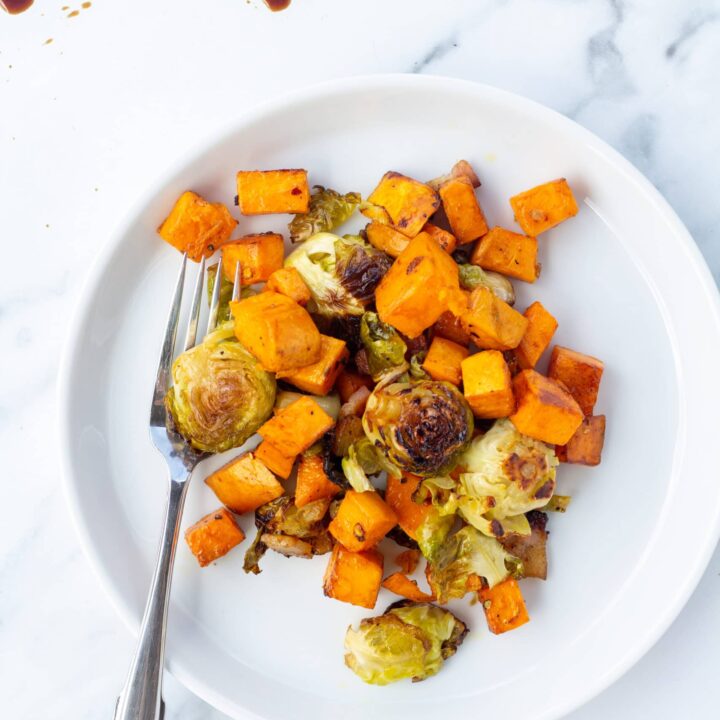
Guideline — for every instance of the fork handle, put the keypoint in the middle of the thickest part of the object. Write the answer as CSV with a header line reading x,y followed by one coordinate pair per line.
x,y
141,697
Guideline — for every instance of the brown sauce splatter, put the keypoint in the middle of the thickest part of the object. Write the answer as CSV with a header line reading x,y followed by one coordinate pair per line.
x,y
15,7
48,41
277,5
74,13
86,5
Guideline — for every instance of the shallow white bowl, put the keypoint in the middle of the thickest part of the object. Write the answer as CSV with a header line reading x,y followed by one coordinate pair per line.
x,y
626,283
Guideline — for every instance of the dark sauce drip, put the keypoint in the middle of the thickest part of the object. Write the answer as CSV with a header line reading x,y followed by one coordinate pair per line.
x,y
274,5
15,7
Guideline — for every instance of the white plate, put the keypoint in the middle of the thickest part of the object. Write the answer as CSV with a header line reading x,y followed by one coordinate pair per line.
x,y
626,283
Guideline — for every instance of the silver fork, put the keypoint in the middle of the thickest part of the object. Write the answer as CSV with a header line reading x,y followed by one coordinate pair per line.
x,y
141,697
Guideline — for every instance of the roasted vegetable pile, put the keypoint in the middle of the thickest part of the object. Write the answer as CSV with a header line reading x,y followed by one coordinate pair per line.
x,y
397,394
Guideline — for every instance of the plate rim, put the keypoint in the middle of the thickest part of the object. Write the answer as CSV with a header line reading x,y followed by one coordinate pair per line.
x,y
317,91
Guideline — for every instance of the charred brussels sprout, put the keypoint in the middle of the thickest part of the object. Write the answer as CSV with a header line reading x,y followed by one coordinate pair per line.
x,y
472,276
328,209
463,558
289,530
341,273
364,459
411,640
384,347
220,394
420,427
507,474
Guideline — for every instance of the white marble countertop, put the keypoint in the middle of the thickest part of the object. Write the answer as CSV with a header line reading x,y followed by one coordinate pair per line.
x,y
89,120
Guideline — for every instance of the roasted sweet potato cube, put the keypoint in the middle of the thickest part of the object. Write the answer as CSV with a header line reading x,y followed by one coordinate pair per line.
x,y
405,587
296,427
450,326
274,459
418,288
354,577
443,360
585,446
532,548
492,323
288,281
487,385
543,207
408,202
461,168
348,382
196,226
580,373
386,238
244,484
362,521
544,410
319,377
541,327
277,331
213,536
263,192
446,240
312,481
259,257
463,210
399,496
508,253
504,606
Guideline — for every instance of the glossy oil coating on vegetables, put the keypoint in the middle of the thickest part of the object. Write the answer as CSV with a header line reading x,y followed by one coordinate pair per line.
x,y
412,405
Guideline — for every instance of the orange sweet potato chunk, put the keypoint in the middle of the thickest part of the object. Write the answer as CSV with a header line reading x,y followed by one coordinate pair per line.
x,y
418,288
487,385
362,521
408,202
274,459
386,238
213,536
541,327
508,253
580,373
446,240
585,446
492,323
313,482
443,360
504,606
319,377
244,484
543,207
259,257
263,192
277,331
405,587
354,577
399,496
196,226
296,427
463,210
450,326
544,410
288,281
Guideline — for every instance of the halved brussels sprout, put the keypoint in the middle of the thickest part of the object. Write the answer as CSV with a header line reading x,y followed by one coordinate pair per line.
x,y
417,371
420,427
364,459
472,276
411,640
384,347
465,556
341,273
507,474
328,209
226,288
220,394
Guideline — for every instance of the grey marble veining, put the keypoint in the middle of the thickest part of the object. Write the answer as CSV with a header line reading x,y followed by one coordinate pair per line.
x,y
91,119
